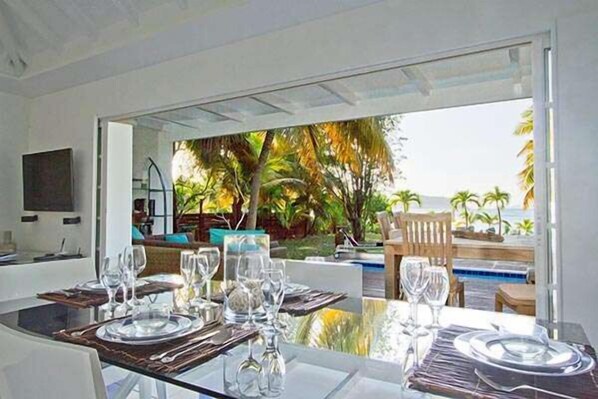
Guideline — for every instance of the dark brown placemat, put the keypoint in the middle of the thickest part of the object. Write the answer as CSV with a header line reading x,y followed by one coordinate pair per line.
x,y
138,355
84,299
305,304
446,371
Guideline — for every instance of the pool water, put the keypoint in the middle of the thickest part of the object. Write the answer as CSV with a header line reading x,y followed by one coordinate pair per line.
x,y
493,275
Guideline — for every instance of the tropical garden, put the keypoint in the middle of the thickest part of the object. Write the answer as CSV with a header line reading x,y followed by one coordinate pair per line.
x,y
325,176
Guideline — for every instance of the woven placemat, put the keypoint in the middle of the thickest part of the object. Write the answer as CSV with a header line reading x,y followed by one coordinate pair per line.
x,y
446,371
84,299
138,355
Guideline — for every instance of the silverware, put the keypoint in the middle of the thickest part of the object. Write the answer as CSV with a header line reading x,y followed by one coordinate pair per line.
x,y
66,293
505,388
81,332
311,296
202,337
219,339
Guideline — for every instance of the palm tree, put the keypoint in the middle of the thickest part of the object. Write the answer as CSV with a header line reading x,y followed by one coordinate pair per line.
x,y
526,176
487,218
525,227
461,199
406,198
500,199
508,226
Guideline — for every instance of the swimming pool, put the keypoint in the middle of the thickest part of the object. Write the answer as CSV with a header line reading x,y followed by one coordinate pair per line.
x,y
495,275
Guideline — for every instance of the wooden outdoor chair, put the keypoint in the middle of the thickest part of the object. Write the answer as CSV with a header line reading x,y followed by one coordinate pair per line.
x,y
385,225
429,235
519,297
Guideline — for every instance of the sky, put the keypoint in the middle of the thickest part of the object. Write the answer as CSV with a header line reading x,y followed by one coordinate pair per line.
x,y
465,148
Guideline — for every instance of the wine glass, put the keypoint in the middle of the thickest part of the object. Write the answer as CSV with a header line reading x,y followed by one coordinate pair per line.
x,y
272,375
248,375
139,259
414,281
111,278
125,261
437,292
188,265
198,279
208,270
272,287
248,272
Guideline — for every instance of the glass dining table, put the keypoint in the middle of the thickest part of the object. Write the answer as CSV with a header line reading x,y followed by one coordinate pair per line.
x,y
354,348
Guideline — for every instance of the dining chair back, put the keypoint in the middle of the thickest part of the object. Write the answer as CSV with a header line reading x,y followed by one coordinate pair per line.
x,y
385,224
35,367
330,276
430,236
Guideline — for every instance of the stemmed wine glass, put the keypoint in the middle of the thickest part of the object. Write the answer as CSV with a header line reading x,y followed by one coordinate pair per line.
x,y
248,375
437,292
272,287
198,280
111,277
248,272
139,259
125,261
208,269
272,375
414,281
188,265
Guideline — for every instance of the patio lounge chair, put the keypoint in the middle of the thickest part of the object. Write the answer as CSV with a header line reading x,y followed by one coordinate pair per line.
x,y
350,245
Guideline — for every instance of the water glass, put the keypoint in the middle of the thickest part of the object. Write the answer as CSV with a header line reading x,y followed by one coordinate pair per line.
x,y
125,264
148,319
208,270
272,287
139,260
111,278
198,279
414,282
248,273
437,292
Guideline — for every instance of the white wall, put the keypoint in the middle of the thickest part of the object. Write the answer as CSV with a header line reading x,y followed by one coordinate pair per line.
x,y
117,196
13,143
382,32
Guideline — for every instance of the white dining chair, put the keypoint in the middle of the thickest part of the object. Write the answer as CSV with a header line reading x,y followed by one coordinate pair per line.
x,y
35,367
329,276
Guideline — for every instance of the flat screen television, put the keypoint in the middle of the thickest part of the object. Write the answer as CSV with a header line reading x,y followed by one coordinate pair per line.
x,y
48,181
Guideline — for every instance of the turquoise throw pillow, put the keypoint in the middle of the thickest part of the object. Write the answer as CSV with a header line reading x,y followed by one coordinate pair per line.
x,y
180,238
217,235
136,234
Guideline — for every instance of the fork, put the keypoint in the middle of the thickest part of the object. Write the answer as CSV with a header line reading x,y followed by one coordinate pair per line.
x,y
505,388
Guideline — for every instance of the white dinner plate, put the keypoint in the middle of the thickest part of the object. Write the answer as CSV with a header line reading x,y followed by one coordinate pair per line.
x,y
125,329
462,343
96,285
293,289
558,356
102,333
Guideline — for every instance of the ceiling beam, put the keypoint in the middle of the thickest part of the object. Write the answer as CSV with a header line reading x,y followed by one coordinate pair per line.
x,y
341,91
129,10
276,101
34,22
416,76
77,15
223,111
15,57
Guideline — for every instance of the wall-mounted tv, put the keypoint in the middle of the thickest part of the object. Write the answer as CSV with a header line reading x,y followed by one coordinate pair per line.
x,y
48,181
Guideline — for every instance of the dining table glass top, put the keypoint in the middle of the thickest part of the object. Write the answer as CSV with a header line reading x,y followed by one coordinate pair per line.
x,y
353,347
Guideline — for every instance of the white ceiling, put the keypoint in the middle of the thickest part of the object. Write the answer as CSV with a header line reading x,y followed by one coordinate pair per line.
x,y
49,45
496,75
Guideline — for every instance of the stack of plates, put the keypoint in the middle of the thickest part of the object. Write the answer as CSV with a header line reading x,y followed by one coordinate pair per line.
x,y
96,286
124,332
488,347
293,289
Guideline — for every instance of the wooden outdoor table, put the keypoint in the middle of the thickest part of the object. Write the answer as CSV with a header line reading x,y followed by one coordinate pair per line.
x,y
512,249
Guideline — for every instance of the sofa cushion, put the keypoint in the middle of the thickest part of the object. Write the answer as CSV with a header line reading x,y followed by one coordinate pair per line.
x,y
179,238
136,234
217,235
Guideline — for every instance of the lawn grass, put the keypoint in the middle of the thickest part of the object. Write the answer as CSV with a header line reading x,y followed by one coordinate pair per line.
x,y
320,245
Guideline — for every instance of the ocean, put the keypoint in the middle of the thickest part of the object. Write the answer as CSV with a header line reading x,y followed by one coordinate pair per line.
x,y
512,215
